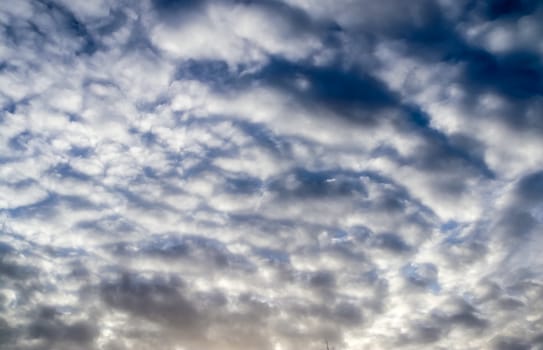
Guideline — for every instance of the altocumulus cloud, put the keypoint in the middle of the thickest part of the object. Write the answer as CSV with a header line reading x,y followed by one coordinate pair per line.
x,y
224,174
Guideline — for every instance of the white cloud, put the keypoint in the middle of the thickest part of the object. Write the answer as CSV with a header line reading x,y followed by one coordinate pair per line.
x,y
228,175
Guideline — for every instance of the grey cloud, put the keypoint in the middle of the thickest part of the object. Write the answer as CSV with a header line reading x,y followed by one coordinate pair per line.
x,y
507,343
468,319
530,187
452,315
12,270
322,280
427,334
51,331
193,248
517,219
157,299
6,333
518,223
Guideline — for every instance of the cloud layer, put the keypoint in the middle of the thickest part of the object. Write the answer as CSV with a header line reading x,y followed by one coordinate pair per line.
x,y
229,174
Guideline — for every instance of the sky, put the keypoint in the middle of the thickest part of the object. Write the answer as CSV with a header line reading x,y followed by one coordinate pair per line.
x,y
271,175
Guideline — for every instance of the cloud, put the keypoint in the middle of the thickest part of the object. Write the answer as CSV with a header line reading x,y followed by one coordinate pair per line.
x,y
227,174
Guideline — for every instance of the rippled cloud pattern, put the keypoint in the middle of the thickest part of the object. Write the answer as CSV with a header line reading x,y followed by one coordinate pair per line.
x,y
271,175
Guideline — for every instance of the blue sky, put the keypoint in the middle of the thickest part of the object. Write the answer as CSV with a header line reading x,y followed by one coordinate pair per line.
x,y
271,175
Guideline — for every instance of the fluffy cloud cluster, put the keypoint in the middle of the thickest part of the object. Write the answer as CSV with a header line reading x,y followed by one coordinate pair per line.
x,y
226,174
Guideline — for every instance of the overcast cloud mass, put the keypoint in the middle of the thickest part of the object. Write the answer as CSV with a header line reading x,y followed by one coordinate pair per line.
x,y
269,175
